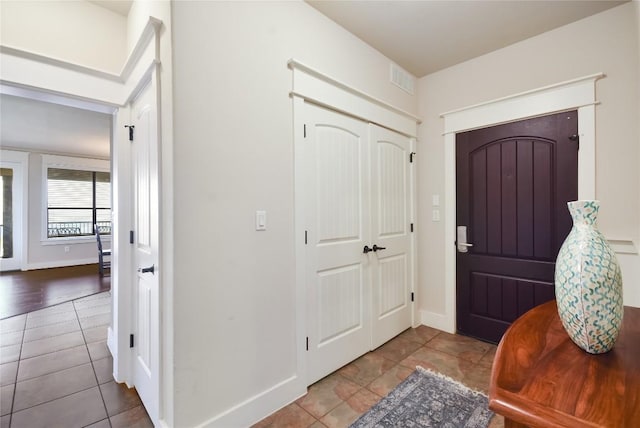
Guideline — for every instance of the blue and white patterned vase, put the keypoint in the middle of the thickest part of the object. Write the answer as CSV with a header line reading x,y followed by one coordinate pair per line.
x,y
588,283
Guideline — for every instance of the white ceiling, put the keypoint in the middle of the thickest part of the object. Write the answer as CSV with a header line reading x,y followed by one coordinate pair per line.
x,y
428,35
33,125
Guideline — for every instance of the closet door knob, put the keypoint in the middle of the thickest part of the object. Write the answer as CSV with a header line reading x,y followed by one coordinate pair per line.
x,y
367,249
150,269
376,248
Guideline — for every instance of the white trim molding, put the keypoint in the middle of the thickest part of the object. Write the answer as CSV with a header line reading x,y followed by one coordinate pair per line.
x,y
319,88
22,70
574,94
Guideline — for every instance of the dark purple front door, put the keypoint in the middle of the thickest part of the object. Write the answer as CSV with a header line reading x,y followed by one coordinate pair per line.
x,y
513,183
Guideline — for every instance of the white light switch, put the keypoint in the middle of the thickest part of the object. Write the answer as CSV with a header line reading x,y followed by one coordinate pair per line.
x,y
261,220
435,200
435,215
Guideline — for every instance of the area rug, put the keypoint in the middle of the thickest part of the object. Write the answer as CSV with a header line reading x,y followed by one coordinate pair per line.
x,y
428,399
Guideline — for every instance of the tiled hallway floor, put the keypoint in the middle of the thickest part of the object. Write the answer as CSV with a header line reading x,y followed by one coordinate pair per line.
x,y
340,398
56,370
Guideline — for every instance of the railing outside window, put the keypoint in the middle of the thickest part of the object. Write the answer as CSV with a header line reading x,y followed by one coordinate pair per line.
x,y
67,229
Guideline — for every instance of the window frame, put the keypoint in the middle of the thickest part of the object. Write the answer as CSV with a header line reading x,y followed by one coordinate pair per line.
x,y
75,163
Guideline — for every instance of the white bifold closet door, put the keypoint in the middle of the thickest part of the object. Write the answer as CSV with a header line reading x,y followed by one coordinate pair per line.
x,y
357,194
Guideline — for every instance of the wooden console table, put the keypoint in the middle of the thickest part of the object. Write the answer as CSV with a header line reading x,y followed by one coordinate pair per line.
x,y
540,378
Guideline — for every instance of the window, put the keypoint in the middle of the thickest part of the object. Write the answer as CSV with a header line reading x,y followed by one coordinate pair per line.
x,y
76,200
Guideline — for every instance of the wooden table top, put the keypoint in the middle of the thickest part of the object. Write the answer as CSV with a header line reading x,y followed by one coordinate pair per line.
x,y
540,378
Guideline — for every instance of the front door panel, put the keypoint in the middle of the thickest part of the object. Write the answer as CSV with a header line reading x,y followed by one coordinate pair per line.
x,y
513,183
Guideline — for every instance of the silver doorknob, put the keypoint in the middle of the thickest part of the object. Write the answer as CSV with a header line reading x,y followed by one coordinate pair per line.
x,y
461,240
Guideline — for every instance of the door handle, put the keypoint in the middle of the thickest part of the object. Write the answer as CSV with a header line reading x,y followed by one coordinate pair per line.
x,y
462,244
366,249
150,269
376,248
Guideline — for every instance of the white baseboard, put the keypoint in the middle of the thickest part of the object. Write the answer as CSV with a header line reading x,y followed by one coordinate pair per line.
x,y
110,343
259,406
59,263
439,321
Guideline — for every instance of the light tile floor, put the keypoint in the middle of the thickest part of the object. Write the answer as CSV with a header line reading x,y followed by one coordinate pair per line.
x,y
56,370
340,398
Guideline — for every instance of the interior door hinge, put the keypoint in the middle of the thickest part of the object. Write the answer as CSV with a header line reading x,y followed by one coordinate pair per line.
x,y
412,227
131,240
131,128
307,343
305,237
412,296
411,155
305,130
131,341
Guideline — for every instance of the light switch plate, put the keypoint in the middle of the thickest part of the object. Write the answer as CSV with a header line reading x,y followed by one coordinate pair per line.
x,y
435,200
435,215
261,220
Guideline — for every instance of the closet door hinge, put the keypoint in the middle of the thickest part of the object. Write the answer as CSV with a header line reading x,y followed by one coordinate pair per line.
x,y
131,240
131,341
305,237
307,343
411,155
412,296
411,227
304,130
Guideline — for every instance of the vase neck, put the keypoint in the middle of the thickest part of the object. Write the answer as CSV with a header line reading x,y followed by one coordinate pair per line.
x,y
584,213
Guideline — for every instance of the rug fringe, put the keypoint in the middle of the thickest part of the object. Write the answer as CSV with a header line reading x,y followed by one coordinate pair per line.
x,y
455,382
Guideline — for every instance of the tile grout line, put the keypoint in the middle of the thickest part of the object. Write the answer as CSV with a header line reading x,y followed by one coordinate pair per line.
x,y
20,359
106,411
15,383
365,387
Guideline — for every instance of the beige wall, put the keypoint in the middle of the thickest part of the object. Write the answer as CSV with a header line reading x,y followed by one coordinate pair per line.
x,y
75,31
606,42
234,297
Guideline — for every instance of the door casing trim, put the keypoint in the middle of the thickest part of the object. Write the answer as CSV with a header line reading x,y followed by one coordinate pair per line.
x,y
577,94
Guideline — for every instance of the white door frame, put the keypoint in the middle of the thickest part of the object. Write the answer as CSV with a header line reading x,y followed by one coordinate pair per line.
x,y
570,95
14,159
36,76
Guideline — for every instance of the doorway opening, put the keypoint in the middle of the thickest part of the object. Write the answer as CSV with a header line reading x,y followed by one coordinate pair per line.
x,y
578,94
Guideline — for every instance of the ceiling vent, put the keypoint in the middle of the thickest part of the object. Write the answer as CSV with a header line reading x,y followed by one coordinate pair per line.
x,y
402,78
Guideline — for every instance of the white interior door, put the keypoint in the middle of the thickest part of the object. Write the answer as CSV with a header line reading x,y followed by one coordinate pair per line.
x,y
13,168
390,223
146,243
338,220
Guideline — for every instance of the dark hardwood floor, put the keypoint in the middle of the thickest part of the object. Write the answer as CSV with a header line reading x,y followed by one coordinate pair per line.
x,y
28,291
